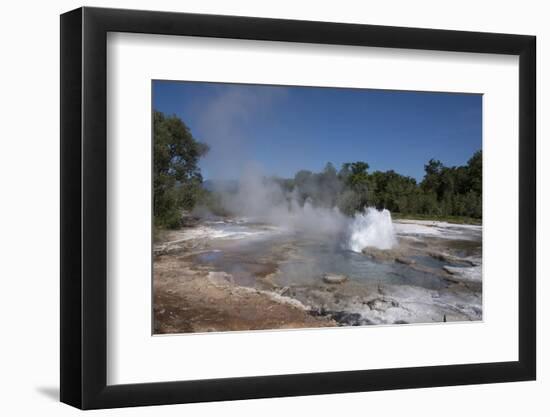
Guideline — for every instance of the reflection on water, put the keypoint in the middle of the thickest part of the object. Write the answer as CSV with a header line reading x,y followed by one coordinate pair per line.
x,y
316,260
246,250
266,257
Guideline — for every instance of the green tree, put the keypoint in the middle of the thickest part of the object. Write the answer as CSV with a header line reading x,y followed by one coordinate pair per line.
x,y
356,180
329,186
444,191
455,191
474,172
176,176
432,178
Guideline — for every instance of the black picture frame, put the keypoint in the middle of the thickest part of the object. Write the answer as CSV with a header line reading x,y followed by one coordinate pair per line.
x,y
84,207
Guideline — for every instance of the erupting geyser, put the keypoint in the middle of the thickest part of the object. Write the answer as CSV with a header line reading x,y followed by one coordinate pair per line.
x,y
372,228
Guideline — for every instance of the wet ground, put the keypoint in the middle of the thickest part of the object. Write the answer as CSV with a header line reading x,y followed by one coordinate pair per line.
x,y
432,274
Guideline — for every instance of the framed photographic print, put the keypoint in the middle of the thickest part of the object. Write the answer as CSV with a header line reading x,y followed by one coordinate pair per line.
x,y
257,207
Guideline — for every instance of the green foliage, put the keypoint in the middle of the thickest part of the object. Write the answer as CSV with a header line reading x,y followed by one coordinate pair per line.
x,y
393,191
355,179
176,175
320,188
457,190
475,170
212,202
444,191
450,219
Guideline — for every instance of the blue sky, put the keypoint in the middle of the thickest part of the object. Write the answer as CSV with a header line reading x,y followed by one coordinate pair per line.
x,y
282,129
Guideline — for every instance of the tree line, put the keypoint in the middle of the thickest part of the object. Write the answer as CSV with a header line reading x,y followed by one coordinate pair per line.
x,y
177,179
443,192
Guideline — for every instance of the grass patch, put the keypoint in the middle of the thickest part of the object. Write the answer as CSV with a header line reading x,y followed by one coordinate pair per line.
x,y
438,218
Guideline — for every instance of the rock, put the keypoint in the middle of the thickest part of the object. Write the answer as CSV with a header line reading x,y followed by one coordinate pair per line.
x,y
335,278
284,291
380,254
381,304
405,261
343,318
348,319
453,260
464,274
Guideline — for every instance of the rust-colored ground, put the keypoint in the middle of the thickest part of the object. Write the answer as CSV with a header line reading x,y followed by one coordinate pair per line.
x,y
190,299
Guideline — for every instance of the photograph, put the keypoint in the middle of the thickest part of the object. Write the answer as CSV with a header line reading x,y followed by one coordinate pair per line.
x,y
292,207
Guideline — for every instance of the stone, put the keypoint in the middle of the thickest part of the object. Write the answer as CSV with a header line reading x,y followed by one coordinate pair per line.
x,y
335,278
464,274
405,261
284,291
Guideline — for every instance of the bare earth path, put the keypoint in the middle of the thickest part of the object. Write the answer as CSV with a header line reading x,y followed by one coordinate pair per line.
x,y
197,300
